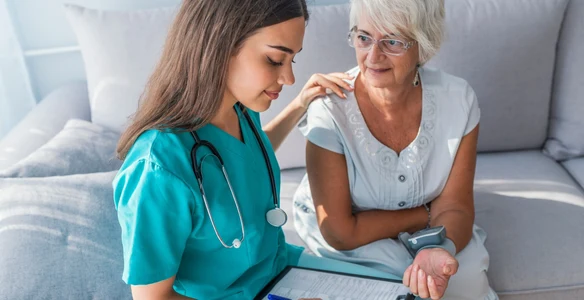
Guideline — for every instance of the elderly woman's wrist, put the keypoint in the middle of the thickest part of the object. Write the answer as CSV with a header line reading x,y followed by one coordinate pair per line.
x,y
420,220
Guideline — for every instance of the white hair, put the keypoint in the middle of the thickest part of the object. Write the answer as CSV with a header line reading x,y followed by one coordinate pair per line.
x,y
420,20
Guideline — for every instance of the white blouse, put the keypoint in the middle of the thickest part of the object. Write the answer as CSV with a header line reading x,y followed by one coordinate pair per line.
x,y
380,178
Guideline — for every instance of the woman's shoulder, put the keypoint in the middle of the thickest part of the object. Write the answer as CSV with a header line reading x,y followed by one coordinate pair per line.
x,y
436,79
329,110
332,106
164,147
447,88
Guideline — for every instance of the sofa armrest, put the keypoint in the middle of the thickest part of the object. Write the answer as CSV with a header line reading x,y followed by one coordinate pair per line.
x,y
44,121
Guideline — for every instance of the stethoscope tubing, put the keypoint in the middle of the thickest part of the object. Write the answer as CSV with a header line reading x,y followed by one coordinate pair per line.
x,y
214,153
209,209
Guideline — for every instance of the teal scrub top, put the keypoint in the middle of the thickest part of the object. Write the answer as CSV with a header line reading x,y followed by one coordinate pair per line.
x,y
166,230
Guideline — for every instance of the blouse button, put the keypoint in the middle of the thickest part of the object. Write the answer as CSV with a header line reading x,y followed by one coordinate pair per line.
x,y
402,178
402,204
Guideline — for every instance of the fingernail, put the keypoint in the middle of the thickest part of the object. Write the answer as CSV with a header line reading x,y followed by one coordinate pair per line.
x,y
420,273
447,270
415,268
344,95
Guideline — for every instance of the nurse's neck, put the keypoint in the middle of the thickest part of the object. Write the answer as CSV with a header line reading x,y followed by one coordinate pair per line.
x,y
226,118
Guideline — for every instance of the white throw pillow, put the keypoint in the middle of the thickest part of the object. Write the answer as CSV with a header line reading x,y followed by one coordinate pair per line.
x,y
79,148
120,50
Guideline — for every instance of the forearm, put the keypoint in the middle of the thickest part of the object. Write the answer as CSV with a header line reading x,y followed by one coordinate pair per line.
x,y
162,290
279,128
370,226
458,224
169,296
177,296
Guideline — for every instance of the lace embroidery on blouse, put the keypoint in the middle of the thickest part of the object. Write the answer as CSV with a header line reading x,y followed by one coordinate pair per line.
x,y
415,154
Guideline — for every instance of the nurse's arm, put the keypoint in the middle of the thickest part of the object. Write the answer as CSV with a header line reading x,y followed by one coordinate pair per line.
x,y
340,227
279,128
161,290
454,207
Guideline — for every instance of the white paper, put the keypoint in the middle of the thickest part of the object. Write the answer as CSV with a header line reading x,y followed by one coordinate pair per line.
x,y
301,283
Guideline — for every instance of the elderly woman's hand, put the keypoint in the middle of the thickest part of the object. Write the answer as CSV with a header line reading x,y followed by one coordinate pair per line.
x,y
428,275
321,84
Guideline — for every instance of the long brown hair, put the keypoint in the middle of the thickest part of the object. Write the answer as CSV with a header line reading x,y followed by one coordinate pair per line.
x,y
187,86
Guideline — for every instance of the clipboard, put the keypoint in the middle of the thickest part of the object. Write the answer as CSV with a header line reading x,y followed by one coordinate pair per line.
x,y
290,274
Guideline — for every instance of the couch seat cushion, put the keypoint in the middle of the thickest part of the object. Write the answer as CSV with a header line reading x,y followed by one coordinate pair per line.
x,y
290,180
576,168
532,212
60,238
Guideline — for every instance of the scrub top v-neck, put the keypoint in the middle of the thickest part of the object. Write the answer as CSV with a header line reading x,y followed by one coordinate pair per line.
x,y
166,229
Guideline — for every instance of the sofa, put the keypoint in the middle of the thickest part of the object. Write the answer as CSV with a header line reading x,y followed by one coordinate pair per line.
x,y
59,236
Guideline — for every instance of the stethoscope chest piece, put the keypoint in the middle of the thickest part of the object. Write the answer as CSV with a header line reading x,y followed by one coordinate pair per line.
x,y
276,217
236,243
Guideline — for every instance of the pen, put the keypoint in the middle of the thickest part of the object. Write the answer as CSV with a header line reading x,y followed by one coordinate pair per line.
x,y
275,297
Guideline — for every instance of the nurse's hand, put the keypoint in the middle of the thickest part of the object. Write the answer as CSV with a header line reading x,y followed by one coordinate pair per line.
x,y
430,272
322,84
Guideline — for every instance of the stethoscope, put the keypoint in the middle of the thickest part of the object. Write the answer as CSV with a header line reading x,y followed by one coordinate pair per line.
x,y
276,216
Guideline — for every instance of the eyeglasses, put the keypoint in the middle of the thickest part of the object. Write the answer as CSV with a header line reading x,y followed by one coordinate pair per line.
x,y
388,46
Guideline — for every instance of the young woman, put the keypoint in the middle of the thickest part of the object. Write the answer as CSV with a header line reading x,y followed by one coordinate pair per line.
x,y
197,195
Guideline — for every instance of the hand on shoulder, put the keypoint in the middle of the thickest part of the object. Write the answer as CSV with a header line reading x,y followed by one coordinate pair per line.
x,y
322,84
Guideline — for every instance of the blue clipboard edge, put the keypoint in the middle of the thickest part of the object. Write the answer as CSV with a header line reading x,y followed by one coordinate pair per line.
x,y
264,292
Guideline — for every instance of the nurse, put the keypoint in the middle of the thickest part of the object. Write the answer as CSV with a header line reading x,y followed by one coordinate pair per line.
x,y
197,195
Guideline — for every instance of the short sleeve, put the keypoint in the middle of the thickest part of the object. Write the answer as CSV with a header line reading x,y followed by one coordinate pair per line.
x,y
294,253
474,112
156,221
319,127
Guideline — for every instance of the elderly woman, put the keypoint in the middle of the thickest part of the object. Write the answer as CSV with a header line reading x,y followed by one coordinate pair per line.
x,y
397,156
